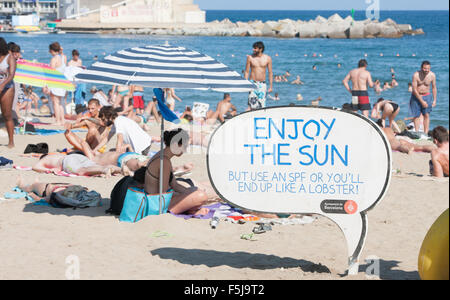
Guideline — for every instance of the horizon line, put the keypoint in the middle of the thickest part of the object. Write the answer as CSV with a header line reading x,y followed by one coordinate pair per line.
x,y
322,9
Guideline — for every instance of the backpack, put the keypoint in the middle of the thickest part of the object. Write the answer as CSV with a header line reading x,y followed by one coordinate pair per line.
x,y
75,197
118,195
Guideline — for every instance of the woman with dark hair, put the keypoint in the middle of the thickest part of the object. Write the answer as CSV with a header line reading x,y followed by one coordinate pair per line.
x,y
56,94
184,200
7,73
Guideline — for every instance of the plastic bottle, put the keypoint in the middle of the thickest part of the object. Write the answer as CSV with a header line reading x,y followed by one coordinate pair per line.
x,y
214,222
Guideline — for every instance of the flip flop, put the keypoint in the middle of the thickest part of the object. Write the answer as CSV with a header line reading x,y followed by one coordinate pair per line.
x,y
159,234
248,237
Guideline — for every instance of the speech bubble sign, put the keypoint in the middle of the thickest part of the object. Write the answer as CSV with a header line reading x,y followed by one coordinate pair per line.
x,y
303,160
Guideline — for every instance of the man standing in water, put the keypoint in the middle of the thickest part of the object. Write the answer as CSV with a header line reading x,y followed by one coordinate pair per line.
x,y
422,101
360,78
257,65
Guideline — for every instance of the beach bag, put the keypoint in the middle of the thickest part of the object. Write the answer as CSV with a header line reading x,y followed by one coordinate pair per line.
x,y
75,197
138,205
41,148
118,194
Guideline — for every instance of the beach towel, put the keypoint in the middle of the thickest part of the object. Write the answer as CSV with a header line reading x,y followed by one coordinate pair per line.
x,y
220,210
18,194
47,132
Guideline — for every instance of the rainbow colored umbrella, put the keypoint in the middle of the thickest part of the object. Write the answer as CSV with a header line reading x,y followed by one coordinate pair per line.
x,y
41,75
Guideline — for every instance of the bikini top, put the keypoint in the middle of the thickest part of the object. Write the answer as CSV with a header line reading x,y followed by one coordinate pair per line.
x,y
157,178
62,67
4,66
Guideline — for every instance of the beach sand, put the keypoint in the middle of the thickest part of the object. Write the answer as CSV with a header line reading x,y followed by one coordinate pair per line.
x,y
38,242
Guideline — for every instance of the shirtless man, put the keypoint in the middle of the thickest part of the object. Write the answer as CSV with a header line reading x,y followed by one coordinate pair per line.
x,y
224,110
422,101
256,67
360,78
95,130
439,156
402,145
138,98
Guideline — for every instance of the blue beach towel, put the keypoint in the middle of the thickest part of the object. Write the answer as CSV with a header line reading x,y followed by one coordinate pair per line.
x,y
47,132
5,163
21,194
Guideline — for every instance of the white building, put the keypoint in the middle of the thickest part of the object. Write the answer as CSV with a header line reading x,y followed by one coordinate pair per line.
x,y
44,8
132,11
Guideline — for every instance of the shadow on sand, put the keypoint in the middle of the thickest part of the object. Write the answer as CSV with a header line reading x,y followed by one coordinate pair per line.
x,y
70,212
386,271
238,260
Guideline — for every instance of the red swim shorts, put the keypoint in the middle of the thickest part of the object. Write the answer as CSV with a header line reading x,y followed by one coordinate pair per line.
x,y
138,102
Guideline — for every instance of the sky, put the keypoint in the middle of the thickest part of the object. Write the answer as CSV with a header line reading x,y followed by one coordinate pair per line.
x,y
321,4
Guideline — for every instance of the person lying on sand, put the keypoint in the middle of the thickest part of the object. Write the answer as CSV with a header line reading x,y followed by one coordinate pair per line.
x,y
439,156
39,190
402,145
50,191
73,164
130,162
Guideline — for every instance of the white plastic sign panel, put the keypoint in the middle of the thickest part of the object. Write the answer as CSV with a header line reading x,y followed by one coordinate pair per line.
x,y
200,110
297,160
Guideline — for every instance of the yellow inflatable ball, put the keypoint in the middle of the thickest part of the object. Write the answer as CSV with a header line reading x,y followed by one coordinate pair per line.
x,y
433,256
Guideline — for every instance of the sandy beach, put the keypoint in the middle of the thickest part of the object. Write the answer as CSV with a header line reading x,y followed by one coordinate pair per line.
x,y
39,242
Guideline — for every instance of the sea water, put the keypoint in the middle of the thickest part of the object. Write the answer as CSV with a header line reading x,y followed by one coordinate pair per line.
x,y
293,55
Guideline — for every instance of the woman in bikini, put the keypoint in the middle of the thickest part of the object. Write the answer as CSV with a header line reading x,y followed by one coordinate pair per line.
x,y
386,109
170,98
184,200
7,73
58,62
39,190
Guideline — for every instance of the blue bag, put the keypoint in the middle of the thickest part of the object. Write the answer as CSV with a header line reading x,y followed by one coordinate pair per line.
x,y
138,205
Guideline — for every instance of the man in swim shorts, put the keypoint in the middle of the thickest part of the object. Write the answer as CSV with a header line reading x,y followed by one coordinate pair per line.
x,y
257,66
138,98
422,101
360,78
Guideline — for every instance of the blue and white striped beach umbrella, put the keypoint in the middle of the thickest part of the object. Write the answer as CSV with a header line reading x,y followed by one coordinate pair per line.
x,y
165,67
